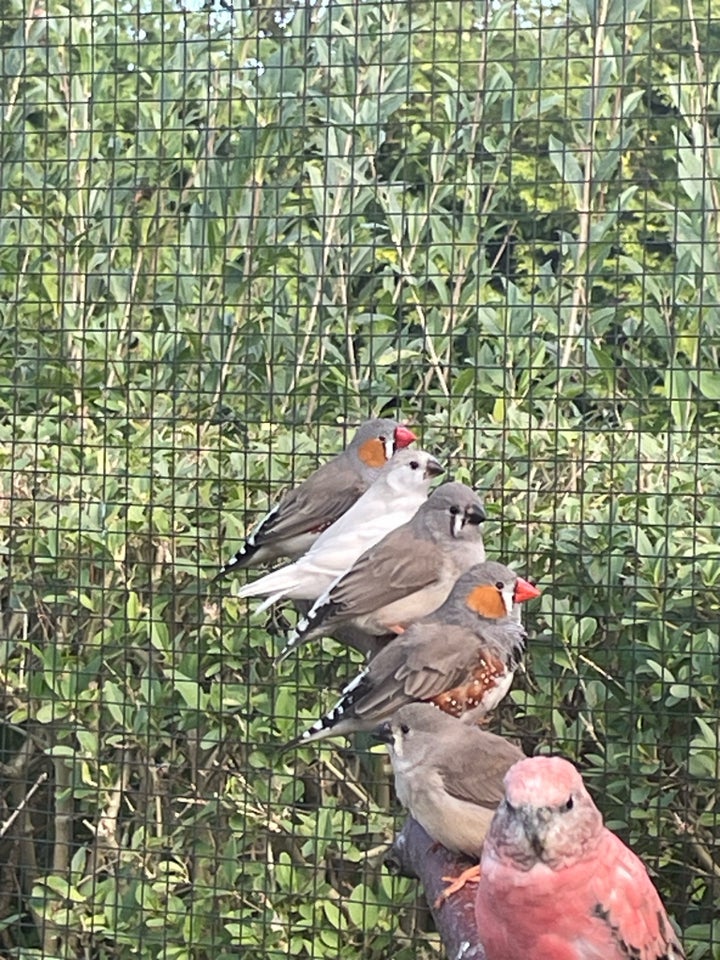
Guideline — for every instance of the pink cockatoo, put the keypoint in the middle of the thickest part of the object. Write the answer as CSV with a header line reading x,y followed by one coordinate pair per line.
x,y
556,884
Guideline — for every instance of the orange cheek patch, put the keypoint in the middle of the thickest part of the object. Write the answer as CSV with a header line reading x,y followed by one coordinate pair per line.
x,y
487,601
372,453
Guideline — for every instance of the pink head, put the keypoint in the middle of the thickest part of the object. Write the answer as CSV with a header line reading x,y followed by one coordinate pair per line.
x,y
542,782
547,815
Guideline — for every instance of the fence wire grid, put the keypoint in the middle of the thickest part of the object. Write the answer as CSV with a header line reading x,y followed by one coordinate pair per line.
x,y
230,233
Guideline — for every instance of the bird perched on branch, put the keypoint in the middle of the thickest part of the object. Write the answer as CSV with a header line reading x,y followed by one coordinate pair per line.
x,y
556,884
300,516
449,776
400,488
406,575
461,658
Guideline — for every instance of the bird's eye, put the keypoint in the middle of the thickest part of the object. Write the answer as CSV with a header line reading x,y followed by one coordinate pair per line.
x,y
404,728
570,804
500,585
414,464
454,511
382,438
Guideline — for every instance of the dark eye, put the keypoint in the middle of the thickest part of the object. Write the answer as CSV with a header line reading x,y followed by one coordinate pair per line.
x,y
404,728
382,438
454,511
500,585
570,804
414,464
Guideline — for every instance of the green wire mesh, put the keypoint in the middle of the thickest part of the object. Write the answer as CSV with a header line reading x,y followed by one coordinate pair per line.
x,y
228,234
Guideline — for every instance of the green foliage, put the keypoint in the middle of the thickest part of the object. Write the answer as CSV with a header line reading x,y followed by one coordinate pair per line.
x,y
223,234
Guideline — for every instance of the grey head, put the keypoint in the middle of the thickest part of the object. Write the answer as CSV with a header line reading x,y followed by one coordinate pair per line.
x,y
456,505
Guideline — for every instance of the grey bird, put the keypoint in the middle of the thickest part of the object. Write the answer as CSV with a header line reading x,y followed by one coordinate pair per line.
x,y
300,516
405,576
450,778
462,658
400,488
447,774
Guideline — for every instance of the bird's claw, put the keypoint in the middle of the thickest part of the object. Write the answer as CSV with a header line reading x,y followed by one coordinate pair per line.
x,y
471,875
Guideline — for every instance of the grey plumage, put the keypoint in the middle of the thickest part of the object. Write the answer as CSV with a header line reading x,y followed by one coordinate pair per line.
x,y
447,774
405,576
461,657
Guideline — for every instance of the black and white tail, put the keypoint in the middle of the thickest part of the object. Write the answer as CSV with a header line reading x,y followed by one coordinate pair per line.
x,y
305,630
325,726
239,560
251,546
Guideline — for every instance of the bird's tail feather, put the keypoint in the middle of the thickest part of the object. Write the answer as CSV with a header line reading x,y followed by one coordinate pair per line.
x,y
324,726
297,638
275,584
239,560
269,601
308,628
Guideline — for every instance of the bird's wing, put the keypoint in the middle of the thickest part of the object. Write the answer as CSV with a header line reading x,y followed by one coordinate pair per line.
x,y
480,782
438,658
627,905
398,565
332,554
418,665
313,505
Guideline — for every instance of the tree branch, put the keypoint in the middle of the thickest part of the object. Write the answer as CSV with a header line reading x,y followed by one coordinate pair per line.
x,y
6,824
414,855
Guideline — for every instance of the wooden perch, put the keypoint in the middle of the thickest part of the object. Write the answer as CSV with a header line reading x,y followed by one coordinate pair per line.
x,y
414,855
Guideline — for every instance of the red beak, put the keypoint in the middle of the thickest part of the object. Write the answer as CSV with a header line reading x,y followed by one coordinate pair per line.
x,y
403,437
525,591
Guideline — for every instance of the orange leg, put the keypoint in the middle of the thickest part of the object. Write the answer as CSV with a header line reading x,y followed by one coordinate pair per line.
x,y
471,875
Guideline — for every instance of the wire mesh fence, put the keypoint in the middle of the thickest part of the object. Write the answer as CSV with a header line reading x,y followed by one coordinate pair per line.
x,y
231,233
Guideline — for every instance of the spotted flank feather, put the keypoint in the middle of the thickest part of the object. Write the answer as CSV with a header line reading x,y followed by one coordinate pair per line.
x,y
483,681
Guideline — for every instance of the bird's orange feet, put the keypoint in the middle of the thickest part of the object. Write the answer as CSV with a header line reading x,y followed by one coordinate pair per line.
x,y
471,875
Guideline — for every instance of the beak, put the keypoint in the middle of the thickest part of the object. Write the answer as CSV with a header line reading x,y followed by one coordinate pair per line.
x,y
403,437
529,822
534,821
433,468
524,590
383,733
475,515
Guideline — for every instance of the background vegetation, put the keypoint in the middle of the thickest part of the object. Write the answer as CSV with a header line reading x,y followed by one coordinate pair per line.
x,y
226,231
